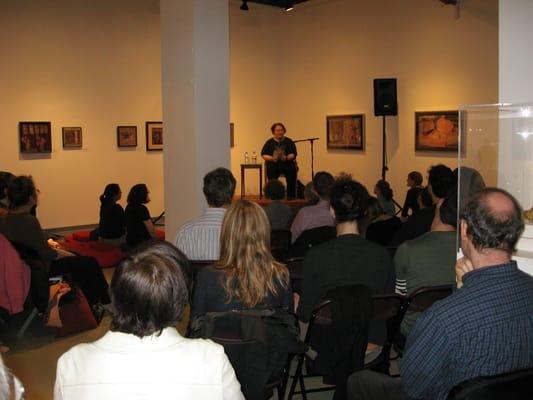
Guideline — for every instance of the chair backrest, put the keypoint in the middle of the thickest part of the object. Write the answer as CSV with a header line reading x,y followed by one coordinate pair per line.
x,y
512,385
280,242
423,298
310,238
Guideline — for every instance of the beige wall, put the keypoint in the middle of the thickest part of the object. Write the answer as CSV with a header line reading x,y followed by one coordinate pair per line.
x,y
94,64
328,53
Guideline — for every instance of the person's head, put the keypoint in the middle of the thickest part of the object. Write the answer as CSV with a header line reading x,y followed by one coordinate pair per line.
x,y
149,291
470,180
310,195
5,179
414,179
21,192
250,270
448,209
274,190
219,187
383,188
424,198
112,193
440,180
322,183
374,209
349,201
491,220
138,194
278,130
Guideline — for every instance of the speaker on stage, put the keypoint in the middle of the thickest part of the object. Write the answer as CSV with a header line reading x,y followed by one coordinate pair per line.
x,y
385,97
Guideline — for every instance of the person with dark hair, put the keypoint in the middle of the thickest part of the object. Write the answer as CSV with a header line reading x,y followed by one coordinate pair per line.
x,y
384,195
5,179
310,196
414,182
139,225
429,259
279,153
112,226
318,215
440,181
424,199
348,259
279,214
46,258
143,355
199,239
381,226
482,329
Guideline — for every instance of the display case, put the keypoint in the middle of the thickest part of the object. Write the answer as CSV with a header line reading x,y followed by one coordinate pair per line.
x,y
496,147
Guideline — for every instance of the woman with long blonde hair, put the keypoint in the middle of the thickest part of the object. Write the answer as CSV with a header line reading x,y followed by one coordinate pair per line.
x,y
246,276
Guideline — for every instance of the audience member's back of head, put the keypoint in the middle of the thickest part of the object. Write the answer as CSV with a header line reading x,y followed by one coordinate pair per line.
x,y
149,291
5,179
494,220
448,209
384,189
20,191
416,177
219,187
138,194
374,208
274,190
349,200
310,195
111,192
440,179
322,183
470,181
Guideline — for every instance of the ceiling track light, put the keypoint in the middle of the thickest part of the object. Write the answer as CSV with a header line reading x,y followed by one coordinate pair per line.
x,y
244,5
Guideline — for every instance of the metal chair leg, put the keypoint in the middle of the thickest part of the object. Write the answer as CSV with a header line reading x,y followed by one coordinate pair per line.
x,y
27,323
296,376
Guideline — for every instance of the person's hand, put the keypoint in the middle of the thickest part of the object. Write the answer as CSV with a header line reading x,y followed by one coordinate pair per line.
x,y
283,157
462,266
53,244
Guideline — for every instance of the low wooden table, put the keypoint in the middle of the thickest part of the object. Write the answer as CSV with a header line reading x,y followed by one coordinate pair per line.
x,y
244,167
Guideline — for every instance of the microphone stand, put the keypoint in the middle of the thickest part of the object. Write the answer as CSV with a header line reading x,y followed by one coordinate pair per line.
x,y
310,140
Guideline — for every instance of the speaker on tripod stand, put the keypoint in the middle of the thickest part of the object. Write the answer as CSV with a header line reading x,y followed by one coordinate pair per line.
x,y
385,103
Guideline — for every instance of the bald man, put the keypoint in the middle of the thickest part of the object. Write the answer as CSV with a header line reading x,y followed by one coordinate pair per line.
x,y
484,328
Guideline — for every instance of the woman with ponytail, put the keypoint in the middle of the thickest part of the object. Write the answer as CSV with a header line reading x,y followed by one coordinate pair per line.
x,y
112,220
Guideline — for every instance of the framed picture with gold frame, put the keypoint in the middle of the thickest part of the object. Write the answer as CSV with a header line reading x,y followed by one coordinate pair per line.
x,y
154,136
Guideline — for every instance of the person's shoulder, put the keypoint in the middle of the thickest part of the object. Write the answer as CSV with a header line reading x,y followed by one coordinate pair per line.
x,y
204,348
76,354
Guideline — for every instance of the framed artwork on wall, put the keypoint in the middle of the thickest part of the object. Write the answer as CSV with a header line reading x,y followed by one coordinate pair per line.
x,y
72,138
126,136
437,131
154,136
346,131
35,137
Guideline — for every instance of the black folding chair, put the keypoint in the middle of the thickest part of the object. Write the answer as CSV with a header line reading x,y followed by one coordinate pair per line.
x,y
295,267
280,243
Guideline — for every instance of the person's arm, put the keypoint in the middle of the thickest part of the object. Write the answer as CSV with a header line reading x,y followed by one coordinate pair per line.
x,y
401,265
231,388
406,204
291,151
35,239
149,225
267,152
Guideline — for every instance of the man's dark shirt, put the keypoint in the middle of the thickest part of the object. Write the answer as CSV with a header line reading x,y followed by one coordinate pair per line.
x,y
417,224
485,328
345,260
286,146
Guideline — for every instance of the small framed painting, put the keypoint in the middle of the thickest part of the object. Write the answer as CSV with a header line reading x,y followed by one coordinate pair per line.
x,y
72,138
346,131
126,136
35,137
437,131
154,136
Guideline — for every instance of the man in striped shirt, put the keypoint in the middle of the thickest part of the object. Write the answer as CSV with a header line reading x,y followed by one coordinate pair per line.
x,y
484,328
199,238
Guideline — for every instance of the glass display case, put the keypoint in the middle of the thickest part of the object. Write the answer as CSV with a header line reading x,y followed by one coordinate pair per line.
x,y
496,147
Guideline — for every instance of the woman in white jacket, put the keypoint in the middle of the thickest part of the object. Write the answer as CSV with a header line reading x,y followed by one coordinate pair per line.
x,y
143,356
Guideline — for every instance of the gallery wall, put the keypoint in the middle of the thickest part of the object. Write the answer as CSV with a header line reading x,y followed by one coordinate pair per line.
x,y
327,54
93,64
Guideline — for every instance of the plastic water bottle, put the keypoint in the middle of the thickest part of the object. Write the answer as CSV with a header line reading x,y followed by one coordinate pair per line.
x,y
254,158
246,158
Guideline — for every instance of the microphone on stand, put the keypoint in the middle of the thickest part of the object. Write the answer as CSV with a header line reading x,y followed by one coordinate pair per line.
x,y
311,141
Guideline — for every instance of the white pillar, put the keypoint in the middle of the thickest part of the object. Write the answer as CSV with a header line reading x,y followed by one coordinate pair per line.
x,y
195,76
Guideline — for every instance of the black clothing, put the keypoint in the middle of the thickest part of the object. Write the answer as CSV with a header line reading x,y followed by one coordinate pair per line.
x,y
417,224
137,233
381,232
372,385
276,168
112,221
209,295
345,260
411,201
310,238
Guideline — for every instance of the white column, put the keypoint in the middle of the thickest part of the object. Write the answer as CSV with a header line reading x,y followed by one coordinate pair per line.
x,y
195,78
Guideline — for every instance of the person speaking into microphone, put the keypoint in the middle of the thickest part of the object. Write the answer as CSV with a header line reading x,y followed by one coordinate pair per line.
x,y
279,153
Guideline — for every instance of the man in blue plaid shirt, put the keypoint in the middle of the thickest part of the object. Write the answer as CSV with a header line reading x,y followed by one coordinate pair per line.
x,y
485,328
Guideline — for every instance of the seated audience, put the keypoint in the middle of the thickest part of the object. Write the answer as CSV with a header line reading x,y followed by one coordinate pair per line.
x,y
382,226
384,195
348,259
5,178
310,196
440,180
246,276
279,214
424,199
484,328
199,239
46,258
139,225
112,226
143,355
317,215
414,182
429,259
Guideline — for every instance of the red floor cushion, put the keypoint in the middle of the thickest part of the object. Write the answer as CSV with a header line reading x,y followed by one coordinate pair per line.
x,y
160,234
105,254
82,236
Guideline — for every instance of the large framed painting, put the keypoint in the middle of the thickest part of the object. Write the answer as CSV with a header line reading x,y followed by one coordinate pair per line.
x,y
346,131
35,137
154,136
437,131
127,136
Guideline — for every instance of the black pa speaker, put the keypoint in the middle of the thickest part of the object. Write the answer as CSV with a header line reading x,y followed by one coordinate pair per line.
x,y
385,97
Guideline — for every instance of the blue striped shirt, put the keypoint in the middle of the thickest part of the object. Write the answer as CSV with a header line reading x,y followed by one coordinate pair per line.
x,y
485,328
